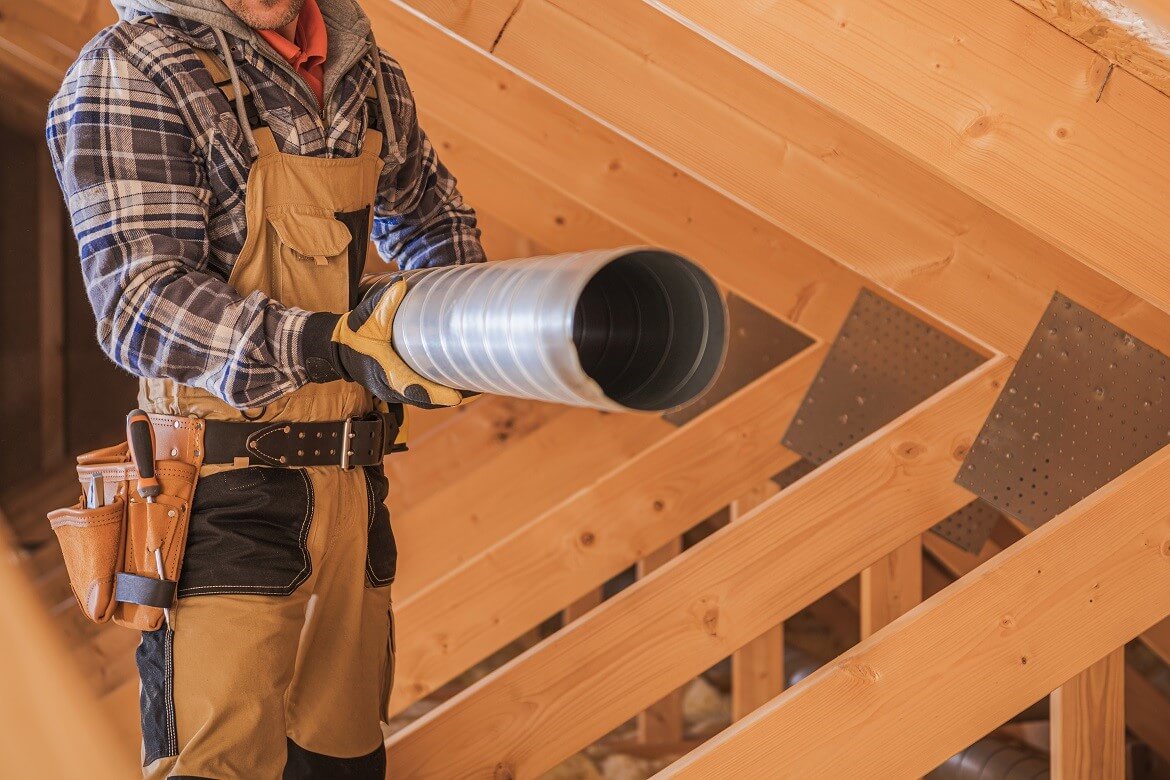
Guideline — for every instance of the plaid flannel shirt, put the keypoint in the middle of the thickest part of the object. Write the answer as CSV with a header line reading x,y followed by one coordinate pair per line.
x,y
154,168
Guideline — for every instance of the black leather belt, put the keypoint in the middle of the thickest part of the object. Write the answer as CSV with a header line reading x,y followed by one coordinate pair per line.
x,y
356,441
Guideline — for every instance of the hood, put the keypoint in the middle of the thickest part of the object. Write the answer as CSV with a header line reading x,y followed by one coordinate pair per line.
x,y
348,25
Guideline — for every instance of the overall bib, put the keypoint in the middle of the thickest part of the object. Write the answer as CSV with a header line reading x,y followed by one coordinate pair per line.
x,y
278,657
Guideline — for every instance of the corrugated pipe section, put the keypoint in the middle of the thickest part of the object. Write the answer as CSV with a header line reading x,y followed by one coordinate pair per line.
x,y
634,329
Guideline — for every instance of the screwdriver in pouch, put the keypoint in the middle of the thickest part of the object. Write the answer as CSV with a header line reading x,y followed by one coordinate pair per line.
x,y
140,435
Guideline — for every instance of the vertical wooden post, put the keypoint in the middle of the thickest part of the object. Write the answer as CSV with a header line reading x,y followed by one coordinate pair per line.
x,y
1088,722
757,668
891,587
662,722
51,308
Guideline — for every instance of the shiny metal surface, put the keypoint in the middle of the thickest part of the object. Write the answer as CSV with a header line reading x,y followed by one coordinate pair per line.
x,y
620,329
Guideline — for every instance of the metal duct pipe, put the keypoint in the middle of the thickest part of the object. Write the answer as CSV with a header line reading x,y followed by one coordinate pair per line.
x,y
620,329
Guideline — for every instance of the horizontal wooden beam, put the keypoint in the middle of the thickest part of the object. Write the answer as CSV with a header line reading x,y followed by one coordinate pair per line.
x,y
604,528
993,99
998,640
714,598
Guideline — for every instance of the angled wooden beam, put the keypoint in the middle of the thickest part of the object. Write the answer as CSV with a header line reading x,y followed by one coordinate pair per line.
x,y
1088,722
472,435
1145,712
993,99
1119,31
1158,640
556,143
757,668
1046,608
555,218
480,506
711,600
604,528
768,144
891,587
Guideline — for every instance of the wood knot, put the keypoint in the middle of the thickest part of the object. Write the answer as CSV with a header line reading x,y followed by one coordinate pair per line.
x,y
1007,621
503,772
1166,548
978,128
1023,660
659,505
559,220
615,165
711,620
910,450
587,539
859,671
961,450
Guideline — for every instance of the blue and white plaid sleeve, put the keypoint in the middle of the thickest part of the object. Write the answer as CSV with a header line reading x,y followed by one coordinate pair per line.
x,y
129,168
420,219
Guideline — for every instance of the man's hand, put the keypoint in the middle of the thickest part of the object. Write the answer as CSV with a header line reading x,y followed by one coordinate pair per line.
x,y
360,348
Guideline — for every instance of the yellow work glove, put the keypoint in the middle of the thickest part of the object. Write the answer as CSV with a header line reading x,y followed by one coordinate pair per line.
x,y
360,348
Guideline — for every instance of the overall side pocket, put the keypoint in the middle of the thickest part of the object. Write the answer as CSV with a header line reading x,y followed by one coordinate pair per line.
x,y
92,542
381,549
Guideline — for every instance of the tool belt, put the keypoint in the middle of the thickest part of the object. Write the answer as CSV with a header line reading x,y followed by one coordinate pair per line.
x,y
124,553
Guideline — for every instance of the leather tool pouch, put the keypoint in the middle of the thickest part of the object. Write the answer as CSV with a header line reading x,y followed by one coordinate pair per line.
x,y
124,557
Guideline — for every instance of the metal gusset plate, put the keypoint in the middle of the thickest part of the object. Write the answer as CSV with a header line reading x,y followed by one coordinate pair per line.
x,y
757,343
794,472
884,362
970,527
1085,403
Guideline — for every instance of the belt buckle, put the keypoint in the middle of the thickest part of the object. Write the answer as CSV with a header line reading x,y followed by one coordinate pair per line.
x,y
346,452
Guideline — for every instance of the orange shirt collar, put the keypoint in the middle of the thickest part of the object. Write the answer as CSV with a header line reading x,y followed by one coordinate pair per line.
x,y
307,51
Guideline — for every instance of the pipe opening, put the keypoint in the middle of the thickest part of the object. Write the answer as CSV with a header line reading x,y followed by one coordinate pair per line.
x,y
651,329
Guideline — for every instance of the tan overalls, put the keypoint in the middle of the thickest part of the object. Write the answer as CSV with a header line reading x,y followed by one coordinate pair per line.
x,y
280,648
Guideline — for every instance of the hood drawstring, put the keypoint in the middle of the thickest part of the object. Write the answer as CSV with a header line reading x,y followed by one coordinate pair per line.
x,y
241,112
384,105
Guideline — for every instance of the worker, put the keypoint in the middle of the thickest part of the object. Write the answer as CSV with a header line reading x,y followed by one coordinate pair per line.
x,y
226,163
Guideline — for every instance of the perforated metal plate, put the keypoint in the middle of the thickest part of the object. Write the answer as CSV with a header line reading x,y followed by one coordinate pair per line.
x,y
970,527
883,362
757,343
1086,402
794,472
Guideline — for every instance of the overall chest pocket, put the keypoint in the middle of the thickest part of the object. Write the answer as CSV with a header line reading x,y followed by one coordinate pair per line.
x,y
310,255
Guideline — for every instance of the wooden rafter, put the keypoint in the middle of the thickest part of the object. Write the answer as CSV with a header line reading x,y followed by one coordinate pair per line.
x,y
993,643
771,146
991,98
711,600
627,514
480,506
